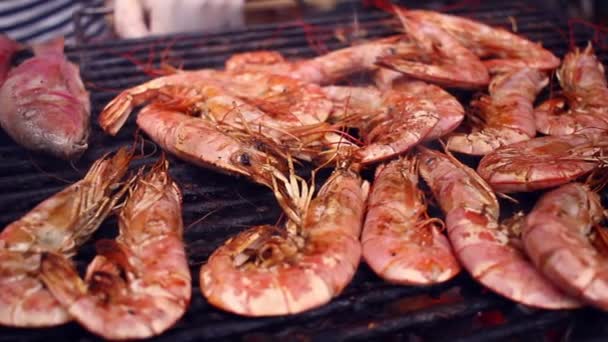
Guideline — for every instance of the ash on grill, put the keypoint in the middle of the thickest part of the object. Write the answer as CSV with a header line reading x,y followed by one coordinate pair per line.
x,y
459,310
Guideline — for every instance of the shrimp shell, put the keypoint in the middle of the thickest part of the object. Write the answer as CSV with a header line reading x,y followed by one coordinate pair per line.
x,y
139,285
483,249
400,243
556,236
542,162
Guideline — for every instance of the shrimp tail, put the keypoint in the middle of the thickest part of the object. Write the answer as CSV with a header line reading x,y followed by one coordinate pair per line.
x,y
114,253
115,114
61,278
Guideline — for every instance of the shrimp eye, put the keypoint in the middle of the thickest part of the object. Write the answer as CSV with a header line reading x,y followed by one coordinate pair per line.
x,y
260,146
195,111
245,159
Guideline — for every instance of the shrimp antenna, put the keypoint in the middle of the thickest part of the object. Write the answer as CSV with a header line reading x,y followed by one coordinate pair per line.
x,y
507,197
597,179
49,174
203,218
73,166
142,140
137,140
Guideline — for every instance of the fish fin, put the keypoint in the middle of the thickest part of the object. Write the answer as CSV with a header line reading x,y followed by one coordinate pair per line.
x,y
51,47
7,45
61,278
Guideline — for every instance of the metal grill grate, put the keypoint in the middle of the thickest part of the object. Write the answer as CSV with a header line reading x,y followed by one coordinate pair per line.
x,y
369,307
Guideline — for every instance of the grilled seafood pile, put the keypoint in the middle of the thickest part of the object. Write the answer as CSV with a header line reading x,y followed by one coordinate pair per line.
x,y
58,225
262,110
128,292
263,115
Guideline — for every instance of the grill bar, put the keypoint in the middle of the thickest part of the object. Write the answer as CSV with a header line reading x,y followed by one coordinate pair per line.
x,y
434,315
537,323
345,302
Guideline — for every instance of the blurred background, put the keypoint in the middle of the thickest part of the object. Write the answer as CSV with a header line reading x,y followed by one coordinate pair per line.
x,y
236,14
261,11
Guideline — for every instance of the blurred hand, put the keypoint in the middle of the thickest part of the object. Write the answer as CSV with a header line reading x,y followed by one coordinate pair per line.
x,y
139,18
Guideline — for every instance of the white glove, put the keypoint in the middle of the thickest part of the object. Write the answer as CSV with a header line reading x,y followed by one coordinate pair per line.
x,y
171,16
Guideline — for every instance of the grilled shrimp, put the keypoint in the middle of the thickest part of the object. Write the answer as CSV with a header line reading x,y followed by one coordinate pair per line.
x,y
400,242
584,85
116,112
269,270
502,50
543,162
559,238
449,108
272,102
390,122
441,58
59,225
425,52
328,68
484,248
139,285
507,113
205,144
